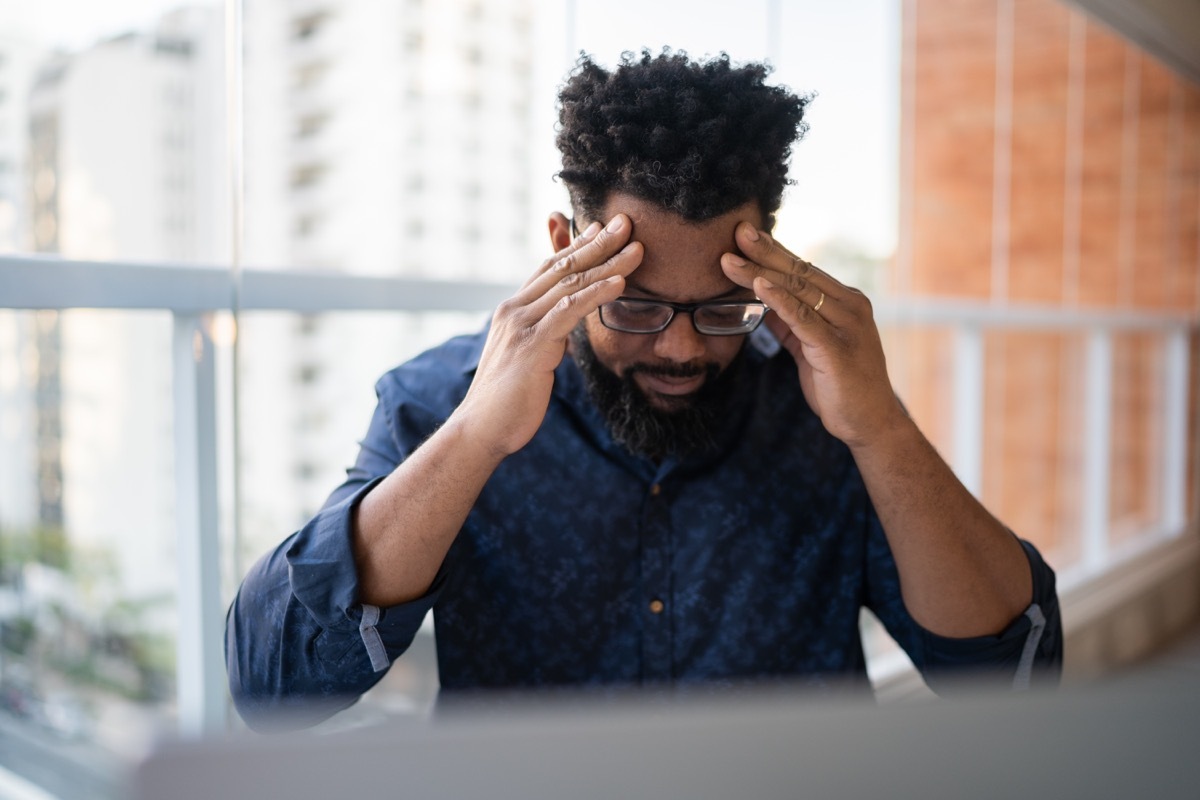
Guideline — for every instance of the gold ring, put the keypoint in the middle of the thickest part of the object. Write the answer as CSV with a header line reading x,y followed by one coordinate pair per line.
x,y
820,302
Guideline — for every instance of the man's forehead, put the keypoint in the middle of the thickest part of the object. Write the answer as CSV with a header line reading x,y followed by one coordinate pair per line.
x,y
682,259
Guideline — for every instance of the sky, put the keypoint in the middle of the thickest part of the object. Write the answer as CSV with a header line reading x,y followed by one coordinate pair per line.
x,y
74,24
847,52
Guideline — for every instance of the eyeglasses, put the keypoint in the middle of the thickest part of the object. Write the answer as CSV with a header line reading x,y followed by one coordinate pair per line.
x,y
715,318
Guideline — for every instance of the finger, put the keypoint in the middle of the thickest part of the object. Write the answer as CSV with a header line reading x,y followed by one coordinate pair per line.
x,y
763,249
783,334
581,255
587,235
621,264
807,325
567,312
803,289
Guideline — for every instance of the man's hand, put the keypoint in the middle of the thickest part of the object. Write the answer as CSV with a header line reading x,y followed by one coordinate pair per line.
x,y
508,398
829,329
961,572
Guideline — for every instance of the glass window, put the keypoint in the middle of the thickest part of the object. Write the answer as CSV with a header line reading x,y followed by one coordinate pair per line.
x,y
88,568
89,615
416,140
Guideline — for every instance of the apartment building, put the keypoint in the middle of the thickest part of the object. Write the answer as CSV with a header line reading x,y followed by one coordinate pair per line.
x,y
19,58
386,139
124,159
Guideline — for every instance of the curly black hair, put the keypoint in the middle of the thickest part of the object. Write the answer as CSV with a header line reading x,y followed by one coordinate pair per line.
x,y
699,138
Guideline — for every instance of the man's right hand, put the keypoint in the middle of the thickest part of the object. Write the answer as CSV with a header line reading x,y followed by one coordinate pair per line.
x,y
509,396
404,527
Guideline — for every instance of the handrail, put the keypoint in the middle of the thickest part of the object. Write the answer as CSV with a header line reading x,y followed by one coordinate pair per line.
x,y
48,282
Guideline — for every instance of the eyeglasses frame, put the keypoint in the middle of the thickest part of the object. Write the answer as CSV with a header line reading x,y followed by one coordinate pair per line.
x,y
689,309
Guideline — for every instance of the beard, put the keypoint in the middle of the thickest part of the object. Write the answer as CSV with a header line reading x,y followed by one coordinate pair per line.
x,y
684,425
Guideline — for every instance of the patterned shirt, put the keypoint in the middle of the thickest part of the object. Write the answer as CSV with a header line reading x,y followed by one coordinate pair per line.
x,y
583,565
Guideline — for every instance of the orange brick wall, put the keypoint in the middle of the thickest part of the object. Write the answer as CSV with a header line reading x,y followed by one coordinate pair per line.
x,y
1039,157
1097,146
952,146
1100,195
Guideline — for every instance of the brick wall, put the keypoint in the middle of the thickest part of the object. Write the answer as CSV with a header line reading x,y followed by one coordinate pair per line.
x,y
1046,161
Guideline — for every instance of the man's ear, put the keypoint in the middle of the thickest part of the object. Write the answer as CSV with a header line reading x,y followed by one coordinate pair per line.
x,y
560,231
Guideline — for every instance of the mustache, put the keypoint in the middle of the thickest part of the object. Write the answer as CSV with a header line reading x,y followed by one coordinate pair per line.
x,y
667,370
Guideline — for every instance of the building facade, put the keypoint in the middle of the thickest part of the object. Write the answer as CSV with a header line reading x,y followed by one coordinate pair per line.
x,y
385,139
122,165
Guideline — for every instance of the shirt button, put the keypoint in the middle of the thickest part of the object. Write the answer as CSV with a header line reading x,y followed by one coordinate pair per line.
x,y
656,606
655,490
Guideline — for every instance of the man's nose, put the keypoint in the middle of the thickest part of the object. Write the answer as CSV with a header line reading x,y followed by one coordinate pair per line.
x,y
680,341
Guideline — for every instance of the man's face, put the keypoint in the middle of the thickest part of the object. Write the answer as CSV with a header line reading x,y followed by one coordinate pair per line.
x,y
675,375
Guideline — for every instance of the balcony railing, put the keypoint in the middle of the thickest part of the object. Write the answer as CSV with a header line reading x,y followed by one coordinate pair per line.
x,y
192,295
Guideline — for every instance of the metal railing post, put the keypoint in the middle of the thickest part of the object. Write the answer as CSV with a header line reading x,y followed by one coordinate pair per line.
x,y
968,407
1175,432
1097,467
200,667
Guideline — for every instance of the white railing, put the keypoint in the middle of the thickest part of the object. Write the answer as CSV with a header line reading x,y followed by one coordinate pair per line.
x,y
193,294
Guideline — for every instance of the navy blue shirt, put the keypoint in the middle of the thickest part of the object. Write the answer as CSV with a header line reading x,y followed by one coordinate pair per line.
x,y
582,565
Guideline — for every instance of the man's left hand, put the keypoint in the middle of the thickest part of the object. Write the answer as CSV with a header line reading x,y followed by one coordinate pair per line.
x,y
829,329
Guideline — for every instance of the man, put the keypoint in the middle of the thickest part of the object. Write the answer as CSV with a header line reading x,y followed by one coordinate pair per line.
x,y
674,456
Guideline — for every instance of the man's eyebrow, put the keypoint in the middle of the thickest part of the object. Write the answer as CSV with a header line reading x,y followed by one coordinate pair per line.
x,y
650,295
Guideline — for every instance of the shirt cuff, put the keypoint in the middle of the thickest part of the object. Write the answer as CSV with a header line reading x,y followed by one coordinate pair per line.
x,y
1029,648
321,567
387,632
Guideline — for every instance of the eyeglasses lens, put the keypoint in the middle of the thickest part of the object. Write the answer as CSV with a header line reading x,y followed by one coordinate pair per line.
x,y
717,319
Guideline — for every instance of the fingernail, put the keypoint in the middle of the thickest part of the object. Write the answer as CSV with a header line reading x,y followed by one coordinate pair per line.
x,y
766,283
591,230
750,232
615,225
736,261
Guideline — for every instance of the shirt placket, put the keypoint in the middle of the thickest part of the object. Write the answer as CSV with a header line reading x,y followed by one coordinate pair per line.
x,y
656,590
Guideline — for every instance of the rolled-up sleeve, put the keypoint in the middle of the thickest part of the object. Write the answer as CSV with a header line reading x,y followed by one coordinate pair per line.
x,y
299,645
1028,652
296,649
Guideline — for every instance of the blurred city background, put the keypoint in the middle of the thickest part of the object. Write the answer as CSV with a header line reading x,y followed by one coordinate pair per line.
x,y
206,210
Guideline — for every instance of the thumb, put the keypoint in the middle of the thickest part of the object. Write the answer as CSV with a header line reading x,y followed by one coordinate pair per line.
x,y
783,334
